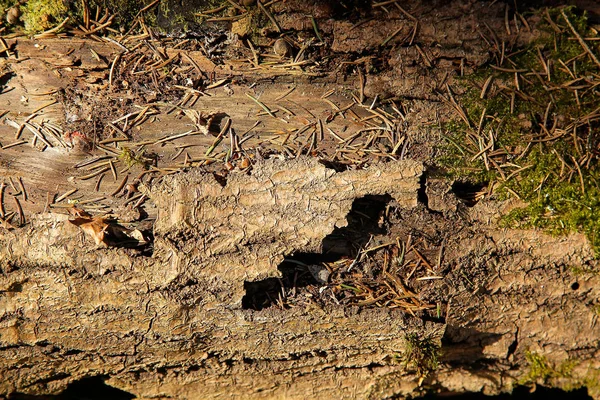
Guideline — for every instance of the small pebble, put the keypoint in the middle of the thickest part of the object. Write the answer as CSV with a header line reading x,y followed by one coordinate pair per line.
x,y
281,48
13,15
320,273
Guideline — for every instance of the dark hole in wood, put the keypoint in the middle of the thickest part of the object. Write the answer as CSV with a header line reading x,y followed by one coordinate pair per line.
x,y
363,221
468,192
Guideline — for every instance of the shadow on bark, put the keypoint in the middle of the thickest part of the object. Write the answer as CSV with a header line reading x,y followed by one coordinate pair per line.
x,y
520,392
92,388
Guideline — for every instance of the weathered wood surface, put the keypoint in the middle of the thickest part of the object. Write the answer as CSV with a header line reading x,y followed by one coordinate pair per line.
x,y
170,324
182,305
49,173
242,231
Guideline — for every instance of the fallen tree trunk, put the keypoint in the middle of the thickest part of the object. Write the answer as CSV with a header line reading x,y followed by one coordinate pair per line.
x,y
65,301
172,324
274,277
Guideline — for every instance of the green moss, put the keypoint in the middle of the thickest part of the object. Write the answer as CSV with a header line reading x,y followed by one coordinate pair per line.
x,y
563,375
41,15
129,158
583,270
556,173
422,354
592,381
180,16
125,11
540,370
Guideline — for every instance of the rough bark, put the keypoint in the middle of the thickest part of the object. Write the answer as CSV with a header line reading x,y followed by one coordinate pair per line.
x,y
242,231
72,310
171,325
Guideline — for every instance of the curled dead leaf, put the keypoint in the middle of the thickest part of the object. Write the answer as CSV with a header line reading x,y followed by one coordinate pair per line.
x,y
105,231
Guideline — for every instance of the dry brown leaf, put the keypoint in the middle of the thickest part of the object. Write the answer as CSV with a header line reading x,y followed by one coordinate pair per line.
x,y
105,231
95,227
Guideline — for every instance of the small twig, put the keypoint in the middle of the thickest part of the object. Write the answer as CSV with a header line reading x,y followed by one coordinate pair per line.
x,y
267,110
269,15
53,30
286,93
23,191
121,186
112,68
235,5
219,138
254,53
393,35
8,146
315,28
580,175
486,86
40,108
64,196
93,174
97,187
112,169
20,210
2,212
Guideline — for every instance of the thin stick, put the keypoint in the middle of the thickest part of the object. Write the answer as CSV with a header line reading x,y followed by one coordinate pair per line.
x,y
44,106
53,30
393,35
260,104
87,162
97,187
96,200
93,174
179,135
112,69
134,198
315,28
485,87
254,53
65,195
235,5
2,186
286,94
217,84
8,146
580,174
23,191
121,186
149,6
219,137
269,15
140,201
112,169
20,210
38,134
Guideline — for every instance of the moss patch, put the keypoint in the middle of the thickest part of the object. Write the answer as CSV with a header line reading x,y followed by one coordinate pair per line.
x,y
541,371
422,354
530,124
40,15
